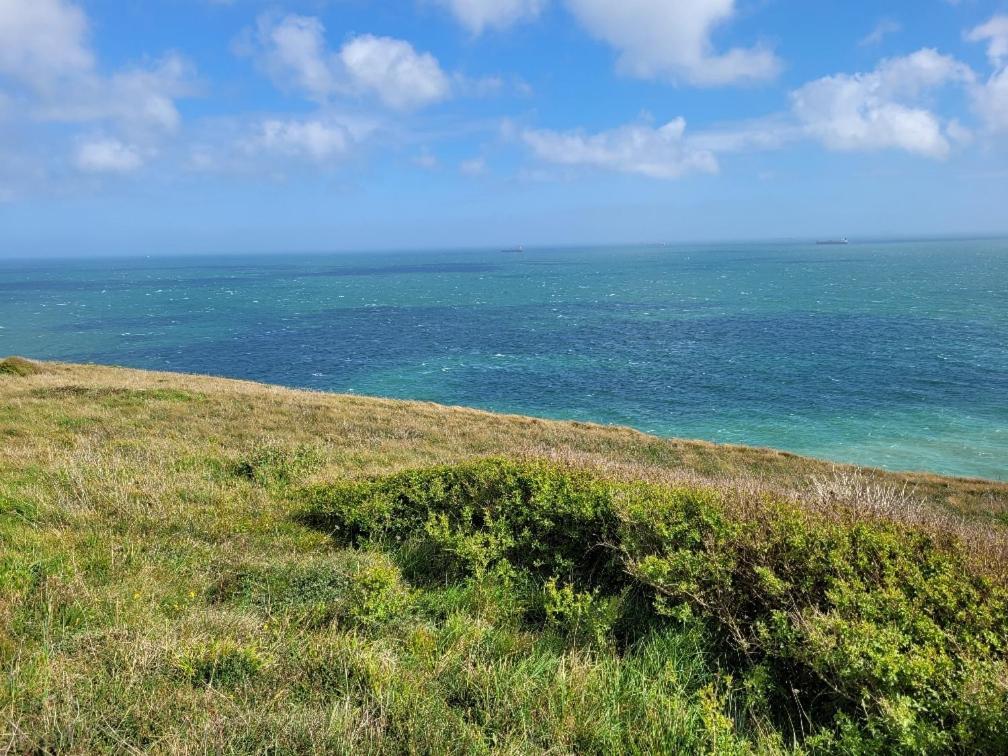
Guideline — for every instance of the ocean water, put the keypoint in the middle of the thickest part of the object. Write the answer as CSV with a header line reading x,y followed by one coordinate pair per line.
x,y
893,354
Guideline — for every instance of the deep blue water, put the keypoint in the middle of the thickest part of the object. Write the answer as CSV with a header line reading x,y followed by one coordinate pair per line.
x,y
888,354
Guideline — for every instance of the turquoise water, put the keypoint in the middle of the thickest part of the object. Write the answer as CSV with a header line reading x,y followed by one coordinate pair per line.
x,y
887,354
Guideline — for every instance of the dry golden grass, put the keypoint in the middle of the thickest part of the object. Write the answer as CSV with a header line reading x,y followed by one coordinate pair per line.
x,y
78,411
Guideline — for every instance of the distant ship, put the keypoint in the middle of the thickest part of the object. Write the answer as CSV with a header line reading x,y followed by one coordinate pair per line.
x,y
519,248
841,240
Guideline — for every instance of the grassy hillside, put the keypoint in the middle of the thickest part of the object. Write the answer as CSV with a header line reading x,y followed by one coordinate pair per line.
x,y
192,564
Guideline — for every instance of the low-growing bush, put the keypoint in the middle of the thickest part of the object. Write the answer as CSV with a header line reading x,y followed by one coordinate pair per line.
x,y
854,636
483,515
19,366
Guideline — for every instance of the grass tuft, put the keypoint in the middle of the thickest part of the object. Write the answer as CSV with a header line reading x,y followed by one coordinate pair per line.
x,y
220,663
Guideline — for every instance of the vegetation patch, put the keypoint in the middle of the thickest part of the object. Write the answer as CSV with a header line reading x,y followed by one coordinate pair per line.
x,y
156,593
19,367
269,464
221,663
355,588
846,635
119,397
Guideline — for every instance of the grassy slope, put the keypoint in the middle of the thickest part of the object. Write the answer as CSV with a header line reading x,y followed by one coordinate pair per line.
x,y
123,512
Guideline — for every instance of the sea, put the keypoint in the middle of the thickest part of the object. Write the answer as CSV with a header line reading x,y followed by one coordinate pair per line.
x,y
890,353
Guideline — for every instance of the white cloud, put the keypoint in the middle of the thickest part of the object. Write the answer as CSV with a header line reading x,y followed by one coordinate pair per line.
x,y
767,133
51,76
314,139
995,33
990,98
661,152
136,99
394,71
319,139
671,39
882,29
880,109
294,52
44,52
107,156
473,167
43,40
915,74
990,101
479,15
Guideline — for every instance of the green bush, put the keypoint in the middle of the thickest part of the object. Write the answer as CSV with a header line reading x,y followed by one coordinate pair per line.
x,y
482,515
862,637
19,367
588,615
376,593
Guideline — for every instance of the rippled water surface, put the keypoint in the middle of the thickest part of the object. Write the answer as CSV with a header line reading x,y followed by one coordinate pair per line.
x,y
889,354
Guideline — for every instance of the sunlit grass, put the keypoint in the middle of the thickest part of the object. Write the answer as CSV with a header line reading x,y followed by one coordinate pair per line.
x,y
159,592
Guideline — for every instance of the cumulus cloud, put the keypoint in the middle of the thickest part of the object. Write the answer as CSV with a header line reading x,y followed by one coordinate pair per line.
x,y
294,51
394,71
990,97
880,109
51,75
312,138
107,156
479,15
661,152
671,39
42,41
137,99
990,100
44,54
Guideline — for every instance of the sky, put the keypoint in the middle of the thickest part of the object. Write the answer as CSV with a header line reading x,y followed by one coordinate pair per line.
x,y
227,126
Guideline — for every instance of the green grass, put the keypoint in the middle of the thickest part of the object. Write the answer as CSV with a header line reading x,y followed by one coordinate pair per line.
x,y
191,564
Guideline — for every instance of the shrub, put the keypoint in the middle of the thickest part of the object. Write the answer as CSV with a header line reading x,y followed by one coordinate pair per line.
x,y
580,615
376,593
870,636
871,622
479,515
19,366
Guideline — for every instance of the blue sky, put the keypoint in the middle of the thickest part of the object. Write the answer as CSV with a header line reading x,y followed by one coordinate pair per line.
x,y
201,126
